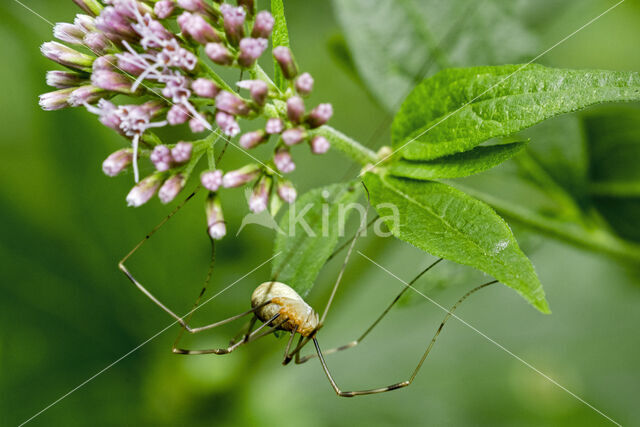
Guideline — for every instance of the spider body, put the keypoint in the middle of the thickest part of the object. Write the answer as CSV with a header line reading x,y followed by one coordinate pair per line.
x,y
282,300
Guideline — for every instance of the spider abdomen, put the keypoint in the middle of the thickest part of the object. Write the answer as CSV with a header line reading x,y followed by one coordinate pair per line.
x,y
288,303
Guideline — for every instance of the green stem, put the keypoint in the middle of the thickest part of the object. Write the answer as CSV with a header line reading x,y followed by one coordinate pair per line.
x,y
350,147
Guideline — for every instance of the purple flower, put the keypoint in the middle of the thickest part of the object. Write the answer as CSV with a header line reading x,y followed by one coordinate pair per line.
x,y
66,56
304,84
205,88
92,7
251,50
293,136
114,25
263,25
196,6
161,158
218,53
128,63
252,139
227,123
64,79
283,161
164,8
197,125
257,88
181,152
111,81
295,109
177,115
85,23
117,162
144,190
171,188
320,115
259,199
233,22
98,43
285,60
319,144
87,94
55,100
195,26
240,176
211,180
69,33
231,103
176,88
105,62
274,126
286,191
215,218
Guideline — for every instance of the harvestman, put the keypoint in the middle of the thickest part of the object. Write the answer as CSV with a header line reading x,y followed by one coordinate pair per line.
x,y
279,307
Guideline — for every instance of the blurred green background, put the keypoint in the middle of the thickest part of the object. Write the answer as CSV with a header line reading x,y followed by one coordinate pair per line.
x,y
67,312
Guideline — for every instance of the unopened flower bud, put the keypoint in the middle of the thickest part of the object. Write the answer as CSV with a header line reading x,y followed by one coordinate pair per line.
x,y
259,198
295,109
283,161
274,126
215,218
304,84
232,104
286,191
92,7
66,56
115,25
98,43
205,88
105,62
197,125
250,50
164,8
293,136
320,115
64,79
252,139
218,53
111,81
181,152
144,190
319,144
128,63
177,115
211,180
285,60
257,88
240,176
227,124
263,25
85,22
117,162
171,188
55,100
87,94
68,33
233,22
161,158
195,26
196,6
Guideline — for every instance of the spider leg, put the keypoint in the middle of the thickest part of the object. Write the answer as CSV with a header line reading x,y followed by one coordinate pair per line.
x,y
354,343
402,384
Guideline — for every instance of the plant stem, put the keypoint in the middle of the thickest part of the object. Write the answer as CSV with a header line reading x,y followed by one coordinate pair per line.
x,y
349,146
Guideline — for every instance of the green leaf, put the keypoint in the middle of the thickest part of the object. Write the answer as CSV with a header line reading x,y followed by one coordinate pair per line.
x,y
457,165
396,43
279,37
458,109
447,223
305,246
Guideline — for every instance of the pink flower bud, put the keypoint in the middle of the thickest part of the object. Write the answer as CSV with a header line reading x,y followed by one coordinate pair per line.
x,y
85,22
259,199
319,144
232,104
286,191
211,180
68,33
295,109
66,56
274,126
195,26
240,176
117,162
252,139
258,89
64,79
215,218
283,161
144,190
115,25
161,158
177,115
233,22
250,50
87,94
181,152
284,57
320,115
171,188
98,43
92,7
227,123
218,53
293,136
197,125
196,6
304,84
128,63
111,81
105,62
164,8
205,88
263,25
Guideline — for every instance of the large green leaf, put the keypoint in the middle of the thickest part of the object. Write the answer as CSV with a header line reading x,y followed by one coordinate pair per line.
x,y
457,165
304,246
396,43
280,37
458,109
450,224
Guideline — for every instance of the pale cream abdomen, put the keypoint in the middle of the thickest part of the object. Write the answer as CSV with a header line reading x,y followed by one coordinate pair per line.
x,y
286,302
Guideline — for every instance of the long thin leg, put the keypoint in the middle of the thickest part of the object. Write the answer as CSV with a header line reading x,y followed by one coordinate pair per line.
x,y
415,371
354,343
